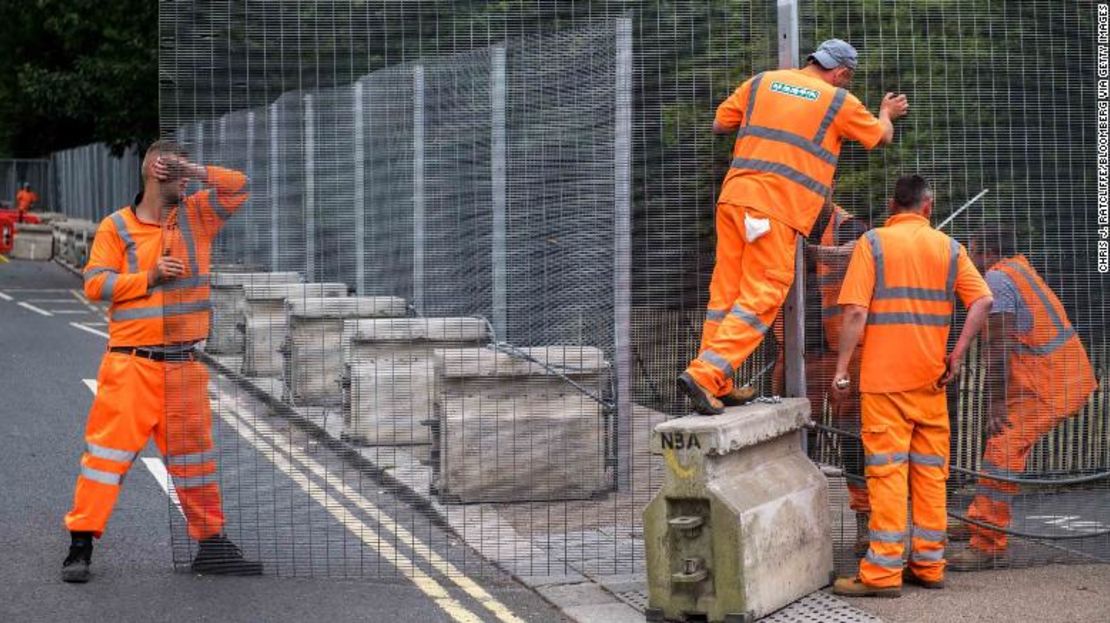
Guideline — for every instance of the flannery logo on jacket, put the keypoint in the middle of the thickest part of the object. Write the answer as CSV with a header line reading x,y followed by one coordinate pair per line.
x,y
789,89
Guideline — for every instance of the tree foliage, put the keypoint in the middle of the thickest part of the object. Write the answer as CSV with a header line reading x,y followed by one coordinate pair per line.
x,y
77,72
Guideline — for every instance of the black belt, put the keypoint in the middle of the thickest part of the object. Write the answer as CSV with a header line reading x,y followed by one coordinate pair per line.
x,y
156,355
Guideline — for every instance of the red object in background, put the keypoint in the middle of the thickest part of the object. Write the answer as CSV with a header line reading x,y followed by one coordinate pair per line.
x,y
7,233
28,217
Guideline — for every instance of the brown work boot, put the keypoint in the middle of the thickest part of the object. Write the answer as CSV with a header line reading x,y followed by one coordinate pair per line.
x,y
972,559
854,587
701,399
863,536
909,577
738,396
959,533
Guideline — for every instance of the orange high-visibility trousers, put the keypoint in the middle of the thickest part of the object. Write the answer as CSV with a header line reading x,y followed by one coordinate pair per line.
x,y
136,398
749,284
820,368
1005,455
905,433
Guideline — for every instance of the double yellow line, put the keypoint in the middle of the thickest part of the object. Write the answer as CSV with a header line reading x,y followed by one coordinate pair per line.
x,y
286,459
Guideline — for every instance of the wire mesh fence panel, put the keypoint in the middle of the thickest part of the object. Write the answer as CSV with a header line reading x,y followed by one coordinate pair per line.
x,y
473,173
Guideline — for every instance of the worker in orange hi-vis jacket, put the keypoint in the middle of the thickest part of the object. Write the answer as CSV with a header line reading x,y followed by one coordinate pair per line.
x,y
790,124
151,261
25,199
1037,375
899,295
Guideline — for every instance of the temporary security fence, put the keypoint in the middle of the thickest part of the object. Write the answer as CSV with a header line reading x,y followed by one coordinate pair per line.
x,y
36,172
547,169
92,183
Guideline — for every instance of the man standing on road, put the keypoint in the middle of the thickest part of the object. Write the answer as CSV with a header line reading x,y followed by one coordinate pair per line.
x,y
901,286
1037,374
24,200
151,260
791,124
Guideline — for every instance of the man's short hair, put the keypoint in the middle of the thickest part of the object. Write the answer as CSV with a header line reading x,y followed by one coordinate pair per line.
x,y
159,148
909,192
997,239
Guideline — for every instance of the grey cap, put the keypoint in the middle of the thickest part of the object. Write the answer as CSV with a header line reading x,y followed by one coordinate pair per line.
x,y
836,53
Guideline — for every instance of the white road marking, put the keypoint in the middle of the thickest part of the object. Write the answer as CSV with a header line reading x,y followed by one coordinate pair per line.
x,y
262,441
63,301
91,384
89,329
68,311
6,297
31,307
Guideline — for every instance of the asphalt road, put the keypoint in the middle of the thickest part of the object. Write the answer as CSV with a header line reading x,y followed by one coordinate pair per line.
x,y
334,542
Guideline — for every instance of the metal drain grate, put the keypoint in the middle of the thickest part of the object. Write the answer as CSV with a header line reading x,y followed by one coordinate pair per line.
x,y
819,607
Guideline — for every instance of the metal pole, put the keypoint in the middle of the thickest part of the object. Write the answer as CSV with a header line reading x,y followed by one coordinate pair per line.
x,y
273,188
622,251
418,188
360,191
498,187
309,189
252,230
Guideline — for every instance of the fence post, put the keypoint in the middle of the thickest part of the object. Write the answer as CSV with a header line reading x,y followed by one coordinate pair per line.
x,y
360,191
498,188
418,188
309,189
794,308
622,250
252,231
273,188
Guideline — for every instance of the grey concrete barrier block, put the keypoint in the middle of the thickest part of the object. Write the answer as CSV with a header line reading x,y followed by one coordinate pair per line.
x,y
266,322
226,334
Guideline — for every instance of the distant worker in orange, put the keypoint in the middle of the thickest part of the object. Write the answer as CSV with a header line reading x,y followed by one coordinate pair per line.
x,y
828,248
151,261
791,124
1037,375
899,295
25,199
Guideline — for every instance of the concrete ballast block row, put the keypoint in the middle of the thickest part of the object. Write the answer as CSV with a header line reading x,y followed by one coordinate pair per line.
x,y
391,369
511,430
33,242
226,334
314,364
266,322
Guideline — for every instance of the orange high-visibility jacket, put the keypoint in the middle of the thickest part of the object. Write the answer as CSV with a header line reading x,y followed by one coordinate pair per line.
x,y
126,249
791,128
1049,361
829,280
908,275
24,199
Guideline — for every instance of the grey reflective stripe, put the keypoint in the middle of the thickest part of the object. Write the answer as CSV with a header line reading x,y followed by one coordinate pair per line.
x,y
128,241
794,140
751,97
109,286
918,294
928,320
994,494
953,267
92,272
121,456
187,233
884,292
931,555
1062,337
789,173
188,482
931,460
889,562
158,312
751,319
886,458
886,536
1063,331
195,458
717,361
937,536
182,284
994,470
101,476
830,115
716,315
831,312
217,207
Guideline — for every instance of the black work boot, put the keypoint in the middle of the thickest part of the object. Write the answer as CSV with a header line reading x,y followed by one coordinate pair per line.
x,y
76,565
703,402
219,556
